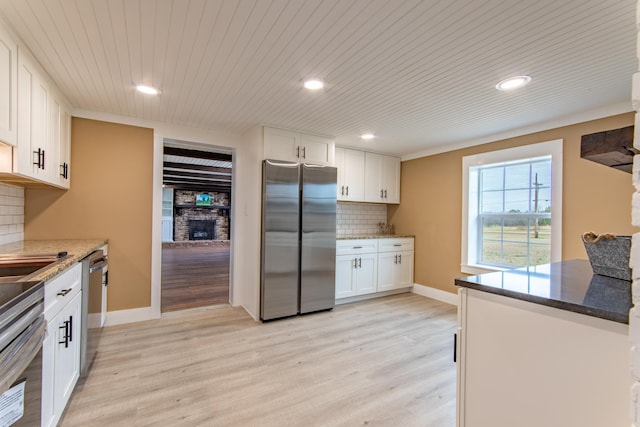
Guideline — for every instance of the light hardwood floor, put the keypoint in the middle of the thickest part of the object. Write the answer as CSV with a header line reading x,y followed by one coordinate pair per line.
x,y
382,362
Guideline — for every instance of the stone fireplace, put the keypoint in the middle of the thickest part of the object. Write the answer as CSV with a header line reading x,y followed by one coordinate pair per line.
x,y
193,222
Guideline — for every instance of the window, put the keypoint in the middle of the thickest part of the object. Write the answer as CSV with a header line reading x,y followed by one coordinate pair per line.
x,y
512,202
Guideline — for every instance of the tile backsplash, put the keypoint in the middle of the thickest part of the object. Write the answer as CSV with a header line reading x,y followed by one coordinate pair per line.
x,y
11,213
359,218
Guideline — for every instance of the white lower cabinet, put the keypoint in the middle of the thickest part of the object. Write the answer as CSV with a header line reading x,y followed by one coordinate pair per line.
x,y
366,266
395,263
356,267
61,346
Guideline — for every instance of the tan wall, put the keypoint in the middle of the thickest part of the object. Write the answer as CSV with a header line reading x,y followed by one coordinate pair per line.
x,y
110,196
595,198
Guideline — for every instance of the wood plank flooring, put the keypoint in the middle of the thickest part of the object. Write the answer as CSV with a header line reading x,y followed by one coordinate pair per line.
x,y
194,276
382,362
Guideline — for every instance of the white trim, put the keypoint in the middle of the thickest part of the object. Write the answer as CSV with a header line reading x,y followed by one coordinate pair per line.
x,y
553,148
372,296
128,316
156,228
437,294
598,113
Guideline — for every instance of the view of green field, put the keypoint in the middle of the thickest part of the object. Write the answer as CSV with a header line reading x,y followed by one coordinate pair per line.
x,y
519,244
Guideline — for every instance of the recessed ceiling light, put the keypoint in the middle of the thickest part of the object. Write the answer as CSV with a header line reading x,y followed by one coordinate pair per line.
x,y
513,83
148,90
314,84
367,136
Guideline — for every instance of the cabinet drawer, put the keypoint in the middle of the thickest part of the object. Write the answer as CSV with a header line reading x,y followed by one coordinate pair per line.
x,y
59,291
396,244
358,246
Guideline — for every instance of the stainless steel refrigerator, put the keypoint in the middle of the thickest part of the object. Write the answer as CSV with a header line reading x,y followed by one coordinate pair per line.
x,y
298,239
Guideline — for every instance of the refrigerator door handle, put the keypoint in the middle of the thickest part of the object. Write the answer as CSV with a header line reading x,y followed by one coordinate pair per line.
x,y
274,163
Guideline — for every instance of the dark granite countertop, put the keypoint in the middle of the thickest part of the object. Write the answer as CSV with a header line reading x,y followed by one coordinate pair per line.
x,y
567,285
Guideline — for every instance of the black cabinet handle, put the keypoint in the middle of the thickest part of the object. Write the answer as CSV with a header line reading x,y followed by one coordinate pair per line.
x,y
385,194
66,334
382,194
359,262
63,292
342,191
347,190
455,347
42,159
64,170
395,259
304,152
70,328
400,259
298,151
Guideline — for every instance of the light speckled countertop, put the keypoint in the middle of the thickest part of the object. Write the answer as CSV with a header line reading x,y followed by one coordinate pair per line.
x,y
76,250
374,236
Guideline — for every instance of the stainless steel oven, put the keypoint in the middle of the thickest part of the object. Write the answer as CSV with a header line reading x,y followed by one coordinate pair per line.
x,y
22,330
95,277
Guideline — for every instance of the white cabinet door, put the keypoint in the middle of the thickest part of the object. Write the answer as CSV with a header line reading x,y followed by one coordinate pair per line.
x,y
280,144
345,284
354,175
316,150
60,131
366,278
373,191
32,159
8,88
387,274
350,164
391,179
67,357
395,270
382,178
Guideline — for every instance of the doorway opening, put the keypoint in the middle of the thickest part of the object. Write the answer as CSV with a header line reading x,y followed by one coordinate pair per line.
x,y
196,227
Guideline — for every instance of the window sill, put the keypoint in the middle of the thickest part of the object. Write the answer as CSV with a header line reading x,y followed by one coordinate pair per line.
x,y
479,269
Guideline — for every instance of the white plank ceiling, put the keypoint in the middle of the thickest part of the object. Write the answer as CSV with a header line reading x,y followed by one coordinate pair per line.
x,y
418,73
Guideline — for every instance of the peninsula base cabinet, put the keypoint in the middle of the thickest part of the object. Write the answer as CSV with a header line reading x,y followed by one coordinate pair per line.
x,y
61,346
529,365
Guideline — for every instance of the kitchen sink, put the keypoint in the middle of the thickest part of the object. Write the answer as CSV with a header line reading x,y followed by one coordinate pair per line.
x,y
23,267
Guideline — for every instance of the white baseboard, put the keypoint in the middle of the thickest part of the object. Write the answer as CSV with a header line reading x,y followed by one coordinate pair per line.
x,y
128,316
371,296
437,294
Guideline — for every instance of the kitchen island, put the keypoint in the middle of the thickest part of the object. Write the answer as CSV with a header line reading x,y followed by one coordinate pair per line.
x,y
545,345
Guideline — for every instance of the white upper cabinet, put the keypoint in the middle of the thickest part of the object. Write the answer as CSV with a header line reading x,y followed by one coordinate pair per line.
x,y
280,144
60,134
350,164
8,88
382,178
33,155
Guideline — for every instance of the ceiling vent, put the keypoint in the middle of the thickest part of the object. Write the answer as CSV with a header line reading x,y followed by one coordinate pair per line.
x,y
611,148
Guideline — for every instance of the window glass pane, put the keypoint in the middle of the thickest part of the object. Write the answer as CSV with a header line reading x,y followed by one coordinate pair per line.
x,y
516,176
515,254
516,230
543,169
491,238
491,202
544,200
492,178
516,201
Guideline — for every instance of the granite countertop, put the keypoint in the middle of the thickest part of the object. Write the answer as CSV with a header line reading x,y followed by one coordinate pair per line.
x,y
567,285
374,236
76,250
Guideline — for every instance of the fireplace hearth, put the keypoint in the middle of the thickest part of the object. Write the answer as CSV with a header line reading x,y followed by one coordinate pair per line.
x,y
202,229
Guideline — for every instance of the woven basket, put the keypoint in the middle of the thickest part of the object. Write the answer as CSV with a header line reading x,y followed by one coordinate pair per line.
x,y
609,256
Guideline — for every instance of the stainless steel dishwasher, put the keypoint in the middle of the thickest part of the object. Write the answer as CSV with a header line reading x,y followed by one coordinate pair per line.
x,y
95,277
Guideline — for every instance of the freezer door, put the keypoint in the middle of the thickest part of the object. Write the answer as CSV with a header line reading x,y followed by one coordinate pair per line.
x,y
280,246
318,240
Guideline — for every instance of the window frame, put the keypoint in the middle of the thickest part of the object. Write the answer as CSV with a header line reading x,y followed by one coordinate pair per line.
x,y
470,232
